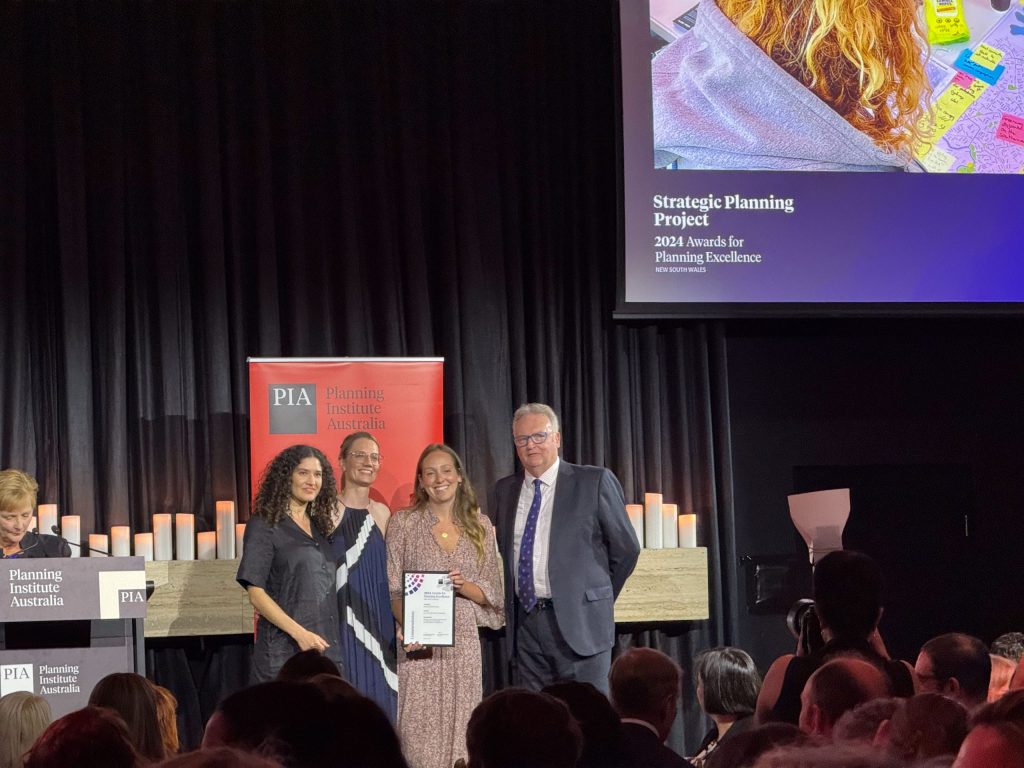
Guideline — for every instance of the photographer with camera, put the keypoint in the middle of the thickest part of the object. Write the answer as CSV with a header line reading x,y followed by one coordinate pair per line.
x,y
847,607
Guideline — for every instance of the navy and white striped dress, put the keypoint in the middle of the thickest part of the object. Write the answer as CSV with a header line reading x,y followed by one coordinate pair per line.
x,y
367,625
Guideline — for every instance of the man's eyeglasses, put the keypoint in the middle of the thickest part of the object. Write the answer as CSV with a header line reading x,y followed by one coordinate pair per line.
x,y
536,438
362,456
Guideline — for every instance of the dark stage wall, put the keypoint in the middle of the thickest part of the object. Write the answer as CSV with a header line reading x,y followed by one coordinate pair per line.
x,y
185,185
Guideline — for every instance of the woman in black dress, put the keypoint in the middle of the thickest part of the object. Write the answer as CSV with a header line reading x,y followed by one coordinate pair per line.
x,y
287,567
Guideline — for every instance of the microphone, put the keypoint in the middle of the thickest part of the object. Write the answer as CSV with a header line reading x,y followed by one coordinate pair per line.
x,y
38,541
56,532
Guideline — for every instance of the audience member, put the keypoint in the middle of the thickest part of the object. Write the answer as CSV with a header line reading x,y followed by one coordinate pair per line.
x,y
955,665
248,717
644,685
334,687
992,745
848,603
93,737
837,687
167,718
1002,673
828,756
133,698
303,665
923,726
23,716
862,722
727,686
1009,708
598,721
347,732
1017,681
743,750
1009,645
516,728
220,757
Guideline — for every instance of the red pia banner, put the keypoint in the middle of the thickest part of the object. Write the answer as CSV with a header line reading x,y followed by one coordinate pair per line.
x,y
318,401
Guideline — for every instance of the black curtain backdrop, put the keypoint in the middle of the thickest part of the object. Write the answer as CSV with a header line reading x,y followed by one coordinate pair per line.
x,y
188,184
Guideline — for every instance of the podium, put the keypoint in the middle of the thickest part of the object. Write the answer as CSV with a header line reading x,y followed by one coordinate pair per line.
x,y
65,623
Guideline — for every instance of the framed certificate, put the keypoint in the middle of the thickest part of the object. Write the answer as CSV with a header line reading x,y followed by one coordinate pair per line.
x,y
428,608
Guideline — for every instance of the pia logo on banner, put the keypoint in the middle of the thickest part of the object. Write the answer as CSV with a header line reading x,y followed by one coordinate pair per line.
x,y
17,677
292,409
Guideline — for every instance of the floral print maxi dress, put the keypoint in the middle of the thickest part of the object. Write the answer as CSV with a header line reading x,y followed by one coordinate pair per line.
x,y
437,694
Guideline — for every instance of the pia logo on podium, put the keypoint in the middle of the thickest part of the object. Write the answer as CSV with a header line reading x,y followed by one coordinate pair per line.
x,y
17,677
292,409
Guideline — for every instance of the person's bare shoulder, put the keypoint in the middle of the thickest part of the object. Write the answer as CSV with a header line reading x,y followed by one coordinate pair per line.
x,y
771,687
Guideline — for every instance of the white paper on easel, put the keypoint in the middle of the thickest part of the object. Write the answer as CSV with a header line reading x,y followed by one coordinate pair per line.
x,y
820,516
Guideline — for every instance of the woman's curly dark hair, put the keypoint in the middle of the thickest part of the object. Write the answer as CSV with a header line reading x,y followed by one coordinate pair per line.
x,y
275,491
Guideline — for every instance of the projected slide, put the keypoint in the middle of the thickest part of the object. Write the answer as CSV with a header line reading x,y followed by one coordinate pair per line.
x,y
773,161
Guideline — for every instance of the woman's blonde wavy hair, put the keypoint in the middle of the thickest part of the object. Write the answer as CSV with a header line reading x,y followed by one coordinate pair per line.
x,y
864,58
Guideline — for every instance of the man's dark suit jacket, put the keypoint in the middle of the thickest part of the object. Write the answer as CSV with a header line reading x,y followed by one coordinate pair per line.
x,y
644,749
592,551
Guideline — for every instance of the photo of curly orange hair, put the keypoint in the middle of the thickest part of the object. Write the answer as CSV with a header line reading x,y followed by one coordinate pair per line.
x,y
864,58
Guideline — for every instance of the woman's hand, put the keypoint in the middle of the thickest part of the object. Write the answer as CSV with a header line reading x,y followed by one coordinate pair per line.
x,y
310,641
408,647
458,582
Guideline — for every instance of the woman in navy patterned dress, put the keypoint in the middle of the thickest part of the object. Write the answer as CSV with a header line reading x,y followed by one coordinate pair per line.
x,y
364,608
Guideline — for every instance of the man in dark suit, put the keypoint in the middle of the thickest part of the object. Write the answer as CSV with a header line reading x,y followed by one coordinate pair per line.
x,y
568,548
644,691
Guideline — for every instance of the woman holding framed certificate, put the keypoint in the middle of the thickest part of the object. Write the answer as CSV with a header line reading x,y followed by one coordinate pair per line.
x,y
442,542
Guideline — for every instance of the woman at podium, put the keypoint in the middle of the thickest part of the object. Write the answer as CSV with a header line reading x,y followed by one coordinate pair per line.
x,y
286,565
18,491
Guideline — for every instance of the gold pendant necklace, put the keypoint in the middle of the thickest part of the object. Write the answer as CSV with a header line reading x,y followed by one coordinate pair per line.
x,y
444,535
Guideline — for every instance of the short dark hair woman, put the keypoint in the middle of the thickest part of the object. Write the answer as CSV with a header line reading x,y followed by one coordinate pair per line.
x,y
286,565
727,683
367,628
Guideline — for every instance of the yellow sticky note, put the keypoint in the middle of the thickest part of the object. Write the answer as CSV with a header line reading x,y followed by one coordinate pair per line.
x,y
937,161
977,88
955,100
987,56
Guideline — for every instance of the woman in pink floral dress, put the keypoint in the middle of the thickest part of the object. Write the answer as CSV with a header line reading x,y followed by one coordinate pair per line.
x,y
439,687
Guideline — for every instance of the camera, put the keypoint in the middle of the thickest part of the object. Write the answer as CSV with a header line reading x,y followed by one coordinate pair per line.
x,y
802,622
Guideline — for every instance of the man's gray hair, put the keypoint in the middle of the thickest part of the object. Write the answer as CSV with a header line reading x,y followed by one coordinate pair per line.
x,y
546,410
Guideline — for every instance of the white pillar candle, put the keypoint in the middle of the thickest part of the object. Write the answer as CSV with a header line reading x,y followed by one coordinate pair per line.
x,y
99,545
636,519
207,545
184,536
47,517
652,521
144,546
688,531
239,538
120,541
163,538
71,531
225,530
669,523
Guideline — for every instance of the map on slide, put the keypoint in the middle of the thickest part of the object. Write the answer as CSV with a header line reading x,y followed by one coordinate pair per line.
x,y
978,107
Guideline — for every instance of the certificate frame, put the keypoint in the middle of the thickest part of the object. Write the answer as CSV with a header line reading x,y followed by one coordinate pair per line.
x,y
428,608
